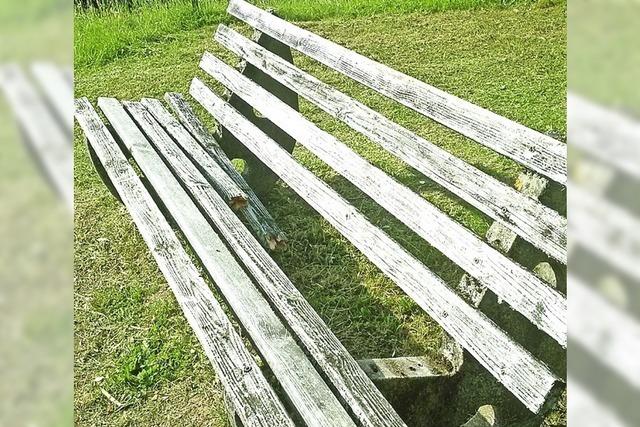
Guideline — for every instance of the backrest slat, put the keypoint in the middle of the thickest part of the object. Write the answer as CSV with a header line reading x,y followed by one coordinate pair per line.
x,y
254,400
607,135
304,387
528,379
532,149
333,360
58,90
42,130
620,331
542,305
536,223
616,241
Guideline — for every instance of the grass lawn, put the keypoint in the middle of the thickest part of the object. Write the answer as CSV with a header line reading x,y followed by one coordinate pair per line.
x,y
131,338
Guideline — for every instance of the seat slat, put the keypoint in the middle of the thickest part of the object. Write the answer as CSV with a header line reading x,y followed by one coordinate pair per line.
x,y
58,90
253,399
303,385
256,215
360,394
536,223
528,379
41,129
532,149
224,185
542,305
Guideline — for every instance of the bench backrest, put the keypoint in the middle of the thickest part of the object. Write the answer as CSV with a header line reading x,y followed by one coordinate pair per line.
x,y
527,378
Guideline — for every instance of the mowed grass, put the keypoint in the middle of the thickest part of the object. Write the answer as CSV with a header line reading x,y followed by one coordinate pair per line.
x,y
131,338
104,35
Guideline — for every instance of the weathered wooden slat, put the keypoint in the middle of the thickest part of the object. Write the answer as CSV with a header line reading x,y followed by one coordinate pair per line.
x,y
536,223
610,335
224,185
542,305
502,238
46,136
352,384
252,397
616,241
402,369
532,149
609,136
588,410
300,381
528,379
57,89
256,214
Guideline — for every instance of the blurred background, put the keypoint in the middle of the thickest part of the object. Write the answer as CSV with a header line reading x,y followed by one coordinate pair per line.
x,y
36,296
604,213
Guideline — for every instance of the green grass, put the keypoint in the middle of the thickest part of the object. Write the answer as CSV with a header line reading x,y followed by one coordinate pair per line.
x,y
129,331
102,36
603,61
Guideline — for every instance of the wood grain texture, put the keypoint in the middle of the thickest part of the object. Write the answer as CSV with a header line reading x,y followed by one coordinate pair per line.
x,y
501,237
541,226
252,398
223,184
523,291
58,90
333,360
528,379
402,369
532,149
43,132
256,214
302,384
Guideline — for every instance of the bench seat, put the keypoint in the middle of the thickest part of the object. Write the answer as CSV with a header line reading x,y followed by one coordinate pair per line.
x,y
144,127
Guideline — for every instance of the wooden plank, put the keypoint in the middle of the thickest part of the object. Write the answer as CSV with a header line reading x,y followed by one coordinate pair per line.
x,y
542,305
541,226
253,399
48,140
402,369
528,379
334,361
532,149
57,89
611,336
223,184
500,237
609,136
256,214
587,410
605,229
300,381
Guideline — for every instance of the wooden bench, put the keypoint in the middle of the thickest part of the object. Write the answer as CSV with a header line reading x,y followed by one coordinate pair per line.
x,y
42,103
192,179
